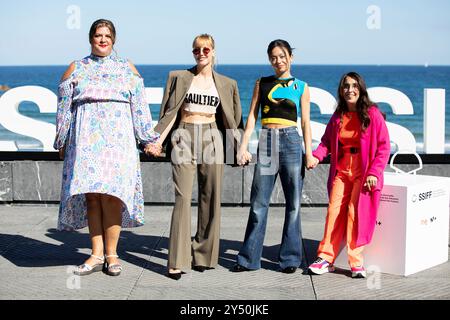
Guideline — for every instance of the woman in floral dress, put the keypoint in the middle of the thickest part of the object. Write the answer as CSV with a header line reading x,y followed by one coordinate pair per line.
x,y
102,115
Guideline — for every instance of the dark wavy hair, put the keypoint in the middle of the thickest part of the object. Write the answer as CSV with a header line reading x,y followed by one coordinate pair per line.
x,y
362,105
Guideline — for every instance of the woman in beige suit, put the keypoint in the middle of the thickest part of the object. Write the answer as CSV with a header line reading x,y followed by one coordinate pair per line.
x,y
199,118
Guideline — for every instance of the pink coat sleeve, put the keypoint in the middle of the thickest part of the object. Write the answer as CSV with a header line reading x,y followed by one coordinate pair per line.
x,y
382,140
324,147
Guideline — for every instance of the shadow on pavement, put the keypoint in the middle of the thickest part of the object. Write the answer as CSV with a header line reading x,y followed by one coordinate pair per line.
x,y
133,248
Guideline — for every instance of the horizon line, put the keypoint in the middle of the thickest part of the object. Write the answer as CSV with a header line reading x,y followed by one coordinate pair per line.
x,y
254,64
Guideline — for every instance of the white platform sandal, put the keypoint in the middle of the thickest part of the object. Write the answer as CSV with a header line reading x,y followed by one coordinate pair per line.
x,y
113,269
85,269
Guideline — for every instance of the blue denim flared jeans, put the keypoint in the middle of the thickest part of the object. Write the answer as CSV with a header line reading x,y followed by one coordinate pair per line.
x,y
279,153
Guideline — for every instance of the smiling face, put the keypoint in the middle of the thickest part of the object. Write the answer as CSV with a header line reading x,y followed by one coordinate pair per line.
x,y
350,92
102,42
203,53
280,61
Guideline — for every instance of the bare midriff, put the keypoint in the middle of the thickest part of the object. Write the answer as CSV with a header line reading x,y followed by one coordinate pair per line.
x,y
275,126
197,117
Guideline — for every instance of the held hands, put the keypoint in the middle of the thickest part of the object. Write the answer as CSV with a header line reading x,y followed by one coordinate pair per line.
x,y
243,157
311,162
153,149
371,182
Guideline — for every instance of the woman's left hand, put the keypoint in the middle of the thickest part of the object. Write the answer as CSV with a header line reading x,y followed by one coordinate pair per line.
x,y
153,149
311,162
371,182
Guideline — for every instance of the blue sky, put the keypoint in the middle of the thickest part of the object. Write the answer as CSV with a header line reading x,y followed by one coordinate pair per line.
x,y
161,32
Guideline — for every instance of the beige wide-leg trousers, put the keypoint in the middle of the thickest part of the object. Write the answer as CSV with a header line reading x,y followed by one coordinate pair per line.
x,y
197,148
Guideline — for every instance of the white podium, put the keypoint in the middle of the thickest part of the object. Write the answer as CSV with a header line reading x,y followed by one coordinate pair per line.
x,y
412,230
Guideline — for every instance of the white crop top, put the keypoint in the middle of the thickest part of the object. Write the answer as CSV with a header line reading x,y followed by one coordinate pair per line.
x,y
203,101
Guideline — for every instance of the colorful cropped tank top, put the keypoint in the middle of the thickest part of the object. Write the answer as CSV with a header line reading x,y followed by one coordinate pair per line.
x,y
280,100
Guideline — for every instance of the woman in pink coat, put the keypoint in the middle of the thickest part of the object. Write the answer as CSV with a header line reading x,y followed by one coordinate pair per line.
x,y
358,140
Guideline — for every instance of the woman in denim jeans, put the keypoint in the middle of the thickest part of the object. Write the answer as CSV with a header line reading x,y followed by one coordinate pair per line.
x,y
281,97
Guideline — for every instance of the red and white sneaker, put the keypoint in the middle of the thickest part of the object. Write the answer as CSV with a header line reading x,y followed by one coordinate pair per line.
x,y
321,266
358,272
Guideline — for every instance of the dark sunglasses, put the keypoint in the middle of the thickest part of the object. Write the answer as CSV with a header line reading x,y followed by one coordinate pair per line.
x,y
197,51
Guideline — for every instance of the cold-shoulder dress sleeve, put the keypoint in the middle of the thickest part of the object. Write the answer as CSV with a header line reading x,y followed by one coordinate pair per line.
x,y
64,111
142,117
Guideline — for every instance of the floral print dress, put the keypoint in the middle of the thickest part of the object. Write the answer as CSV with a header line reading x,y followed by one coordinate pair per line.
x,y
102,114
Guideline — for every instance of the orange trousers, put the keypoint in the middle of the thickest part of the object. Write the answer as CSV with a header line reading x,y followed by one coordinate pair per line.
x,y
340,222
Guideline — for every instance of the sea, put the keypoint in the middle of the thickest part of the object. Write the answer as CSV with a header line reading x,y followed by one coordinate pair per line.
x,y
410,80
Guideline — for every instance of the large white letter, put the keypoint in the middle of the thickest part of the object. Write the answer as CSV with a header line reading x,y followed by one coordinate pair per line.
x,y
400,104
12,120
154,95
434,121
327,104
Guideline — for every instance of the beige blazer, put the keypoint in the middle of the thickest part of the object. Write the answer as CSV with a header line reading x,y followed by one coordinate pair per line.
x,y
229,111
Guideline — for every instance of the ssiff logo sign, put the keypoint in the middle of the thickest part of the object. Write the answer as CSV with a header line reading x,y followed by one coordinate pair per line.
x,y
421,196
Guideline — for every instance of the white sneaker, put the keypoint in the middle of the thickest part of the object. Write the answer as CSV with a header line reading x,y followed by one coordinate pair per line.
x,y
321,266
358,272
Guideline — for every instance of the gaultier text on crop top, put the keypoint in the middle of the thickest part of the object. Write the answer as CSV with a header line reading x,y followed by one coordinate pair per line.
x,y
201,100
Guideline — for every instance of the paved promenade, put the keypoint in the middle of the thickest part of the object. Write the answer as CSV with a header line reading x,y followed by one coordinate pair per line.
x,y
36,263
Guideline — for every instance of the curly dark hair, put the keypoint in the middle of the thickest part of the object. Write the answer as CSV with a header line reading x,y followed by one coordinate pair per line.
x,y
362,105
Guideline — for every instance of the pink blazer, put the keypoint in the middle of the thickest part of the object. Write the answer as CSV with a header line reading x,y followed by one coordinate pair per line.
x,y
375,150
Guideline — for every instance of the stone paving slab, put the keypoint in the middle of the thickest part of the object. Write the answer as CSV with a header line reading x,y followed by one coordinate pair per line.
x,y
433,283
36,262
